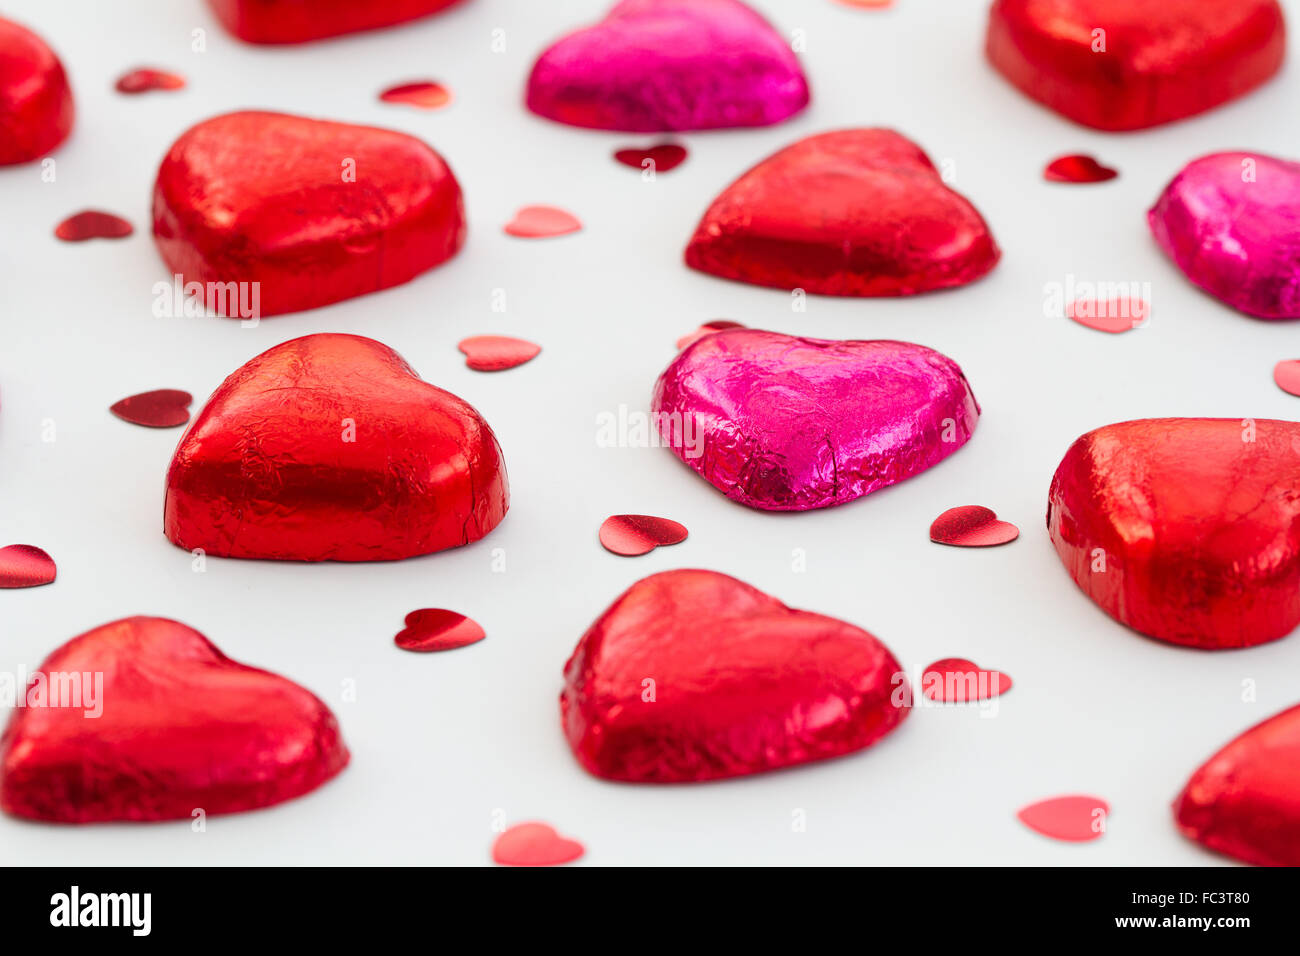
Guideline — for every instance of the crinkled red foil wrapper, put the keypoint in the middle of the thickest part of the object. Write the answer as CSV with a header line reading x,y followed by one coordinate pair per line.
x,y
299,21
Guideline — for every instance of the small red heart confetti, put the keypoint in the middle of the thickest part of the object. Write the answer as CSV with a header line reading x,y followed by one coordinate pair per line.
x,y
630,535
92,224
868,4
972,526
542,222
25,566
955,680
496,353
145,79
161,408
1287,375
708,328
437,629
1075,818
663,157
534,844
1077,169
424,94
1113,315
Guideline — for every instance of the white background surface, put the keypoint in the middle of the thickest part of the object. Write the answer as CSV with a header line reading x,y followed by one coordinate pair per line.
x,y
439,742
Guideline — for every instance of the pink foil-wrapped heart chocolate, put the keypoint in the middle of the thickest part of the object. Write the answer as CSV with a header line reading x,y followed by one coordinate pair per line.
x,y
693,675
144,719
1130,64
36,110
860,212
659,65
1231,223
1245,800
277,213
1185,529
788,424
298,21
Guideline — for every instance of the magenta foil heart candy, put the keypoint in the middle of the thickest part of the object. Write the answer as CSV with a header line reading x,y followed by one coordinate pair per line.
x,y
1231,223
659,65
789,424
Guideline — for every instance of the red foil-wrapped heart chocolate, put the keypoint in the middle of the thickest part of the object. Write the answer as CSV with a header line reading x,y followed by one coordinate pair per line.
x,y
293,213
1245,801
1231,223
36,110
693,675
144,719
330,448
1130,64
659,65
298,21
1186,529
859,212
788,424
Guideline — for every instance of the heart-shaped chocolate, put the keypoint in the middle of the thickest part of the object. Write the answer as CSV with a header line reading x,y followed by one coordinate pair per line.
x,y
859,212
1129,64
144,719
693,675
330,447
1186,529
36,110
1245,800
659,65
271,213
788,424
1231,223
297,21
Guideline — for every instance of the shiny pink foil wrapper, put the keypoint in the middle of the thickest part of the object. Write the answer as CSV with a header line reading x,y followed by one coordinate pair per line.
x,y
782,423
659,65
1231,223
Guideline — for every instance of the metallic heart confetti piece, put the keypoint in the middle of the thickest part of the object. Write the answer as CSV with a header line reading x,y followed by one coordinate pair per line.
x,y
542,222
161,408
708,328
1110,315
145,79
868,4
1120,64
25,566
1245,800
496,353
36,108
972,526
180,726
93,224
692,675
660,158
423,94
1184,529
1287,375
1077,168
534,844
437,629
632,535
955,680
1074,818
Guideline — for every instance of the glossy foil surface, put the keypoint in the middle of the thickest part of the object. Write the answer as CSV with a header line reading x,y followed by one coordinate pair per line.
x,y
301,212
860,212
330,447
298,21
658,65
1231,223
693,675
1130,64
181,727
1245,801
789,424
36,110
1186,529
